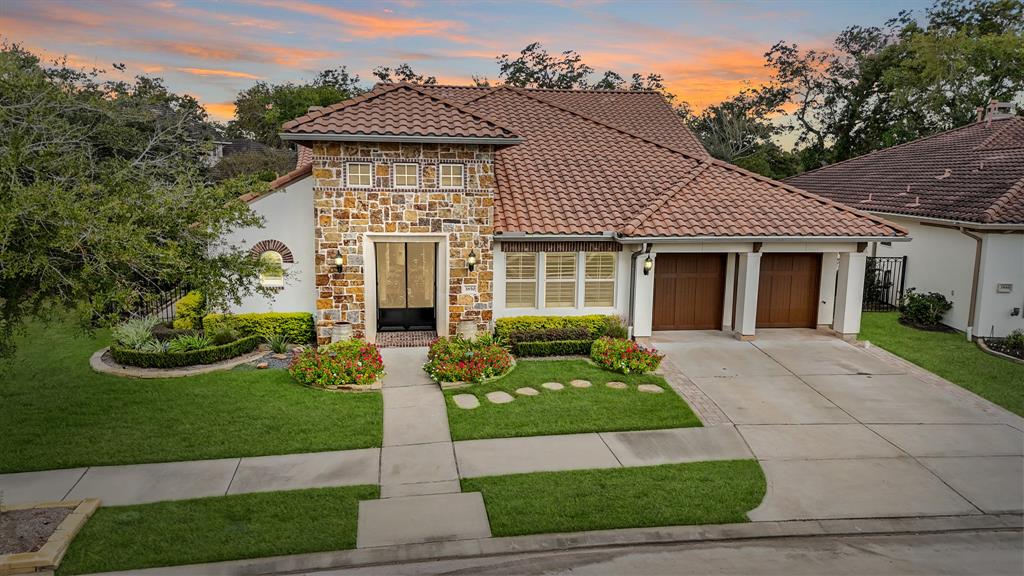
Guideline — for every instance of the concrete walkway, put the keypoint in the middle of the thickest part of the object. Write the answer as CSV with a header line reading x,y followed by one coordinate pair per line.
x,y
844,432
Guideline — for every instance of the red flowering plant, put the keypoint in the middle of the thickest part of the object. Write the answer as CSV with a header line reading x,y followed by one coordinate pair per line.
x,y
345,363
624,356
456,359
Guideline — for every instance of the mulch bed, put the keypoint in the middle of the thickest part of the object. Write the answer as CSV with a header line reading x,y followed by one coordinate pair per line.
x,y
27,530
999,345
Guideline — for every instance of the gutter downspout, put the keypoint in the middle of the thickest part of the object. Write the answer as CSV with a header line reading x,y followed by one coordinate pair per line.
x,y
974,281
632,284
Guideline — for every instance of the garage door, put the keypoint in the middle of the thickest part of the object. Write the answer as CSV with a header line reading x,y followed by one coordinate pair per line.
x,y
787,295
688,291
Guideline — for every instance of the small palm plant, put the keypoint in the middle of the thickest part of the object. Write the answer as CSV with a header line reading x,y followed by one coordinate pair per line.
x,y
278,343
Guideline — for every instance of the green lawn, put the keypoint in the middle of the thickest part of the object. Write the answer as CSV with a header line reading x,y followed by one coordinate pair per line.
x,y
671,494
568,411
951,356
55,412
219,528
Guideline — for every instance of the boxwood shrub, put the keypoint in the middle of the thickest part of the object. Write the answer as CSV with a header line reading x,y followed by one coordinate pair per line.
x,y
553,348
209,355
297,326
595,324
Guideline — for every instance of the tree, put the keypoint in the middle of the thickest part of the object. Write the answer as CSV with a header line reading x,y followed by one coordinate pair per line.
x,y
266,164
535,68
263,108
401,73
741,125
103,197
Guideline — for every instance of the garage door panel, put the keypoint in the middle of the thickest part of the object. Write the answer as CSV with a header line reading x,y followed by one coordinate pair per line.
x,y
688,291
788,290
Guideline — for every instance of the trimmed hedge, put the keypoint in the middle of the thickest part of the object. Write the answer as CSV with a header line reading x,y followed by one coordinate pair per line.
x,y
550,335
553,348
595,324
190,310
297,326
210,355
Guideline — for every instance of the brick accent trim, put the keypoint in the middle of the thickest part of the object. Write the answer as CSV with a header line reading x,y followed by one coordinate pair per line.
x,y
562,246
275,245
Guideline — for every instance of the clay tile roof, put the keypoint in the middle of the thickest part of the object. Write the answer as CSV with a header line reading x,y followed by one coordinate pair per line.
x,y
304,155
398,110
974,173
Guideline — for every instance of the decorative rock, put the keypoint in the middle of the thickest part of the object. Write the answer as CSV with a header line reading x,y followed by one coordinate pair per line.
x,y
616,385
466,401
580,384
499,397
527,391
262,366
650,388
280,356
553,385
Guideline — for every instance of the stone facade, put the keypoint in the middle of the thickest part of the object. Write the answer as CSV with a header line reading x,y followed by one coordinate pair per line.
x,y
344,217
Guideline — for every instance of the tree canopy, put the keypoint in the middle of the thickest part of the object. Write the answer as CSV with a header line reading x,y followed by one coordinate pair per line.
x,y
104,201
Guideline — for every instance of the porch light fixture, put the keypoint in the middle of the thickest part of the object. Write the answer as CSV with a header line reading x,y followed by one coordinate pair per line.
x,y
338,261
648,266
471,260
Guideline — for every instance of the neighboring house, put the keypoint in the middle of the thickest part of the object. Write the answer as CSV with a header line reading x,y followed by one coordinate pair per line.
x,y
960,194
449,204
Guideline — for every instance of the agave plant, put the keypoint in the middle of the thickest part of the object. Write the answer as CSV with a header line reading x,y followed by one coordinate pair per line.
x,y
188,342
278,343
135,333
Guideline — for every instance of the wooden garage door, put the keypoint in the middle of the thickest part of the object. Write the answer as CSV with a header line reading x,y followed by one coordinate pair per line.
x,y
787,295
688,291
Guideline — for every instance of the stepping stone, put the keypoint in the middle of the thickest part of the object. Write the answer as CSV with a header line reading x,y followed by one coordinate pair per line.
x,y
650,388
580,384
553,385
499,397
466,401
527,391
616,385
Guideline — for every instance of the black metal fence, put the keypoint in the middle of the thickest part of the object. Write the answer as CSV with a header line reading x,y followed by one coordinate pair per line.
x,y
884,279
164,307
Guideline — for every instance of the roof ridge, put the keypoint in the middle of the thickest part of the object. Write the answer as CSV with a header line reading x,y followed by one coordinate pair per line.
x,y
576,90
880,150
991,214
631,227
682,122
460,108
323,111
810,195
984,145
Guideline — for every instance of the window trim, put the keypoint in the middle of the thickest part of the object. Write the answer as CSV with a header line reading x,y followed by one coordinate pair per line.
x,y
394,175
462,176
348,174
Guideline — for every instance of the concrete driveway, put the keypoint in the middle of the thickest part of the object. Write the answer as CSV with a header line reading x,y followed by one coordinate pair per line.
x,y
845,432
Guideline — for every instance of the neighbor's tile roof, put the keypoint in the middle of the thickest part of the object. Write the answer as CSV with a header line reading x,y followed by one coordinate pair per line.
x,y
398,110
974,173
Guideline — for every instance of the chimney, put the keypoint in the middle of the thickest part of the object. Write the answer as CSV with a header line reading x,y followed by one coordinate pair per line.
x,y
997,110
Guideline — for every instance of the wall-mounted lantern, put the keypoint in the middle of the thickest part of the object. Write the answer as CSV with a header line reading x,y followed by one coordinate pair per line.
x,y
471,260
648,266
338,262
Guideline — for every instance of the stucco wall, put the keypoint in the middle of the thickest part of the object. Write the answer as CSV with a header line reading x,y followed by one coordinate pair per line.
x,y
1002,263
288,218
938,260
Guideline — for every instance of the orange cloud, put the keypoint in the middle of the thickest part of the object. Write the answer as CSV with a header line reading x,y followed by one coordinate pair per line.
x,y
220,111
363,25
223,73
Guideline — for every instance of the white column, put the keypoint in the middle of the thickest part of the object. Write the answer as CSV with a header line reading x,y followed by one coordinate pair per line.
x,y
746,297
730,281
849,294
643,313
827,293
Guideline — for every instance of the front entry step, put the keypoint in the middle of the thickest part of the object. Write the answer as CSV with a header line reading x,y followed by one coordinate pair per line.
x,y
418,519
405,339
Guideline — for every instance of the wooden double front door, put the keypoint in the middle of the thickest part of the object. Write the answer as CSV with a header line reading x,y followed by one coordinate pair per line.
x,y
787,294
688,291
406,285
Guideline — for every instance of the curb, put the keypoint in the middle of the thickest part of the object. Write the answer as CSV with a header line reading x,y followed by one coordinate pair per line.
x,y
485,547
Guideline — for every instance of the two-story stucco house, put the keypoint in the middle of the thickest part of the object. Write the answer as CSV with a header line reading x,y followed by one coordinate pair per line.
x,y
418,207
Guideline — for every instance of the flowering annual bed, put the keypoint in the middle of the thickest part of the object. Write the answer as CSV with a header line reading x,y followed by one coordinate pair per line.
x,y
456,359
345,363
625,356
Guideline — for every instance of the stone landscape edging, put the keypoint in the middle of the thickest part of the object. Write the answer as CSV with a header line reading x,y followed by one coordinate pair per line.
x,y
504,546
984,346
98,364
48,556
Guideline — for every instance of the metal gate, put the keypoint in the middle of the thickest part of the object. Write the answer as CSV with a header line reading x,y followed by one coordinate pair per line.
x,y
884,278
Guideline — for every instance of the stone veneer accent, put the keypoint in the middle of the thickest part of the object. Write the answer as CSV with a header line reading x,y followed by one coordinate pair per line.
x,y
345,215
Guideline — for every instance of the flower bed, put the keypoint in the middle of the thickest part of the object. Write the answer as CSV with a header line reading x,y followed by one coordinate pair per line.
x,y
624,356
177,359
349,364
1011,345
456,359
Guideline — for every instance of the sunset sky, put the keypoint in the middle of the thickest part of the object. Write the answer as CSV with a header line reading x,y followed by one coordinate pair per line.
x,y
211,50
